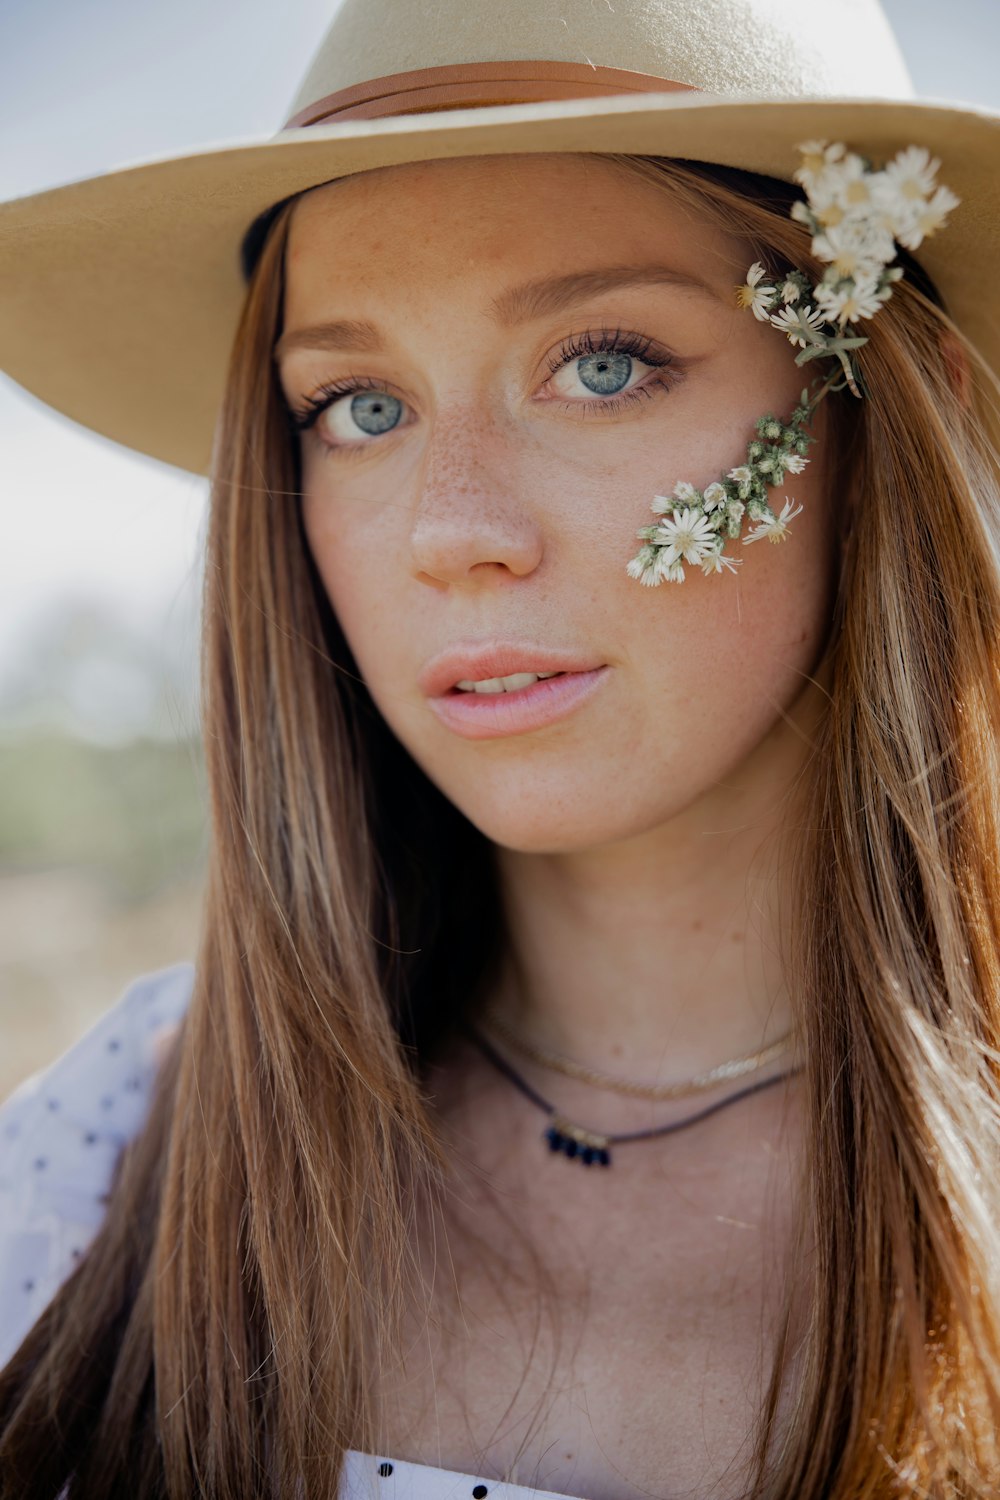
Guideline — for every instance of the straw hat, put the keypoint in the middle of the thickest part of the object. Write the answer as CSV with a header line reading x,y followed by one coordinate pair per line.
x,y
120,294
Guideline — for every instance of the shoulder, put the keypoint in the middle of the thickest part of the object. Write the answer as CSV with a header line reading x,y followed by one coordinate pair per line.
x,y
61,1133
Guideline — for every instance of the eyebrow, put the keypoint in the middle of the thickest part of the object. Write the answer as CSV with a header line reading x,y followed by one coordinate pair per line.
x,y
516,305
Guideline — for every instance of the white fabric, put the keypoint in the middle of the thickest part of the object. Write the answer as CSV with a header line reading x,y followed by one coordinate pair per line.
x,y
61,1132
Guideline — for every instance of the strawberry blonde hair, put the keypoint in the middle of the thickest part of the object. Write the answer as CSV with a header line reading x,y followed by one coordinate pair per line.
x,y
221,1334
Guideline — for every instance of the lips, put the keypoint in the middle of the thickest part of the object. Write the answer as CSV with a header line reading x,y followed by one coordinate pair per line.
x,y
477,662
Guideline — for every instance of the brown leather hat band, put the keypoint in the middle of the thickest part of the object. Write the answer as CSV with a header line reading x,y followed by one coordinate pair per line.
x,y
464,85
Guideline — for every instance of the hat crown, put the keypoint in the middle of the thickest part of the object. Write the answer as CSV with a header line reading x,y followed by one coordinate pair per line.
x,y
775,48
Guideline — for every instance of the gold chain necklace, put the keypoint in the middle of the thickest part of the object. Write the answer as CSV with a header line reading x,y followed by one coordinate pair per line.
x,y
737,1067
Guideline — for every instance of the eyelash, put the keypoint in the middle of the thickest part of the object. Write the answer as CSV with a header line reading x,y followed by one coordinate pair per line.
x,y
303,417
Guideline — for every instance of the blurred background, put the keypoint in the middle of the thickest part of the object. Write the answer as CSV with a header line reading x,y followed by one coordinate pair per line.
x,y
102,799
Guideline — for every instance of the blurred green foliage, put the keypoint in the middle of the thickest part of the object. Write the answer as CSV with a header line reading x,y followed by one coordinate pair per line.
x,y
134,814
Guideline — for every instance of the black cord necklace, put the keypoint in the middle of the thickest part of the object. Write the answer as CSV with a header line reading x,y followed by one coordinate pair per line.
x,y
592,1146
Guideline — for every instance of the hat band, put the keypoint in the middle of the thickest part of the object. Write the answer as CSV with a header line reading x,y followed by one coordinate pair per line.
x,y
462,85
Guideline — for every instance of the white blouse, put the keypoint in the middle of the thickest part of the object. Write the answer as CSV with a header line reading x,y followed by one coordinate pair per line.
x,y
61,1132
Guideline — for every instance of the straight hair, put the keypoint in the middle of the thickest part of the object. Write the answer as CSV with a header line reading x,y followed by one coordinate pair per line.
x,y
222,1333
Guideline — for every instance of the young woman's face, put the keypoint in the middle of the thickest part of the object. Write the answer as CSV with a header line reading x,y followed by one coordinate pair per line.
x,y
513,403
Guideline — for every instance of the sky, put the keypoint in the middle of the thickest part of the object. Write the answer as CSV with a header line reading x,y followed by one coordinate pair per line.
x,y
89,87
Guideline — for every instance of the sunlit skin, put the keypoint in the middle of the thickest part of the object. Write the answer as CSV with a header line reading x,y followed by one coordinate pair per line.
x,y
643,884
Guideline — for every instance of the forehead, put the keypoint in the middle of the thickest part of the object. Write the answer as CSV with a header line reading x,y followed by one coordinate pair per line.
x,y
482,215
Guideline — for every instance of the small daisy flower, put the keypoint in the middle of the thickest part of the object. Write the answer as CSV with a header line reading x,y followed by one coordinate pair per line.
x,y
802,325
852,300
817,159
645,567
688,535
790,291
854,248
754,296
776,529
717,562
660,505
714,496
795,463
743,477
842,184
929,218
685,492
911,173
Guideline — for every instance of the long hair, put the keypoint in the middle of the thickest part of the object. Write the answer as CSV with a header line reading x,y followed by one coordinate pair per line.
x,y
221,1333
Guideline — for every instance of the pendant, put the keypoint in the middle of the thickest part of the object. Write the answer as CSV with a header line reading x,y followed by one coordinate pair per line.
x,y
585,1145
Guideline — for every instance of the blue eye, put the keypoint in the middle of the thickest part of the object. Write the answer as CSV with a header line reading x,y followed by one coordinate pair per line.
x,y
605,374
604,364
375,411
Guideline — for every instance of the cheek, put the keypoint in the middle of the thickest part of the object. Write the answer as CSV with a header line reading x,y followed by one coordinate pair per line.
x,y
359,582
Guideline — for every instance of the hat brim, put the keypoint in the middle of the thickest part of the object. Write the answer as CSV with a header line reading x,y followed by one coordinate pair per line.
x,y
120,294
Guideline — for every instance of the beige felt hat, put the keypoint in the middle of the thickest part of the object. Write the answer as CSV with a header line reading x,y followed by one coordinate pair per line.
x,y
120,294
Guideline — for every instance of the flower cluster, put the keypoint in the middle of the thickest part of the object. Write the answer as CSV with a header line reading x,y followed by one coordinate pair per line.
x,y
856,216
695,524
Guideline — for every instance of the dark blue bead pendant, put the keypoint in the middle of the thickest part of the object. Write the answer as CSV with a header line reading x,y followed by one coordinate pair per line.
x,y
581,1145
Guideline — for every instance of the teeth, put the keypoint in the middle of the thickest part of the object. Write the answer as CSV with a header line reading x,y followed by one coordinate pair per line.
x,y
503,684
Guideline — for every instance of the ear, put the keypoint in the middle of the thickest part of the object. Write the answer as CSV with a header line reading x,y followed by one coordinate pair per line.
x,y
956,363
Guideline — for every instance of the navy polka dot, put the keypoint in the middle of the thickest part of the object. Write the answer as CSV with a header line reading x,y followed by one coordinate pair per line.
x,y
114,1045
40,1162
90,1138
385,1470
76,1254
53,1104
132,1084
479,1491
29,1286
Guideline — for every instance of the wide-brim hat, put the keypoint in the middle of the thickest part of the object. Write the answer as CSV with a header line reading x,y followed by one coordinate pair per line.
x,y
120,294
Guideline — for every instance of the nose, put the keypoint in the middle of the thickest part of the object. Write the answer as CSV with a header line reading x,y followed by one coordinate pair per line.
x,y
472,517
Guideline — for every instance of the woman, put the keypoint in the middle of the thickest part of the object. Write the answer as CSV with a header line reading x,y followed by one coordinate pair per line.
x,y
492,821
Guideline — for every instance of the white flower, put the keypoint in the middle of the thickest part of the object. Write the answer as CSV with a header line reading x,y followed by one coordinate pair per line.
x,y
776,529
743,476
911,173
715,562
928,218
671,572
714,495
645,567
795,463
685,492
790,291
687,535
853,300
842,186
803,324
752,295
857,247
817,158
661,504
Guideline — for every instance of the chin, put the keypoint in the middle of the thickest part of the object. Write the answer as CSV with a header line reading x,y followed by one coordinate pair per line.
x,y
540,821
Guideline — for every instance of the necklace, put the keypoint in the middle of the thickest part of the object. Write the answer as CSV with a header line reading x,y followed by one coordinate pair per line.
x,y
737,1067
592,1146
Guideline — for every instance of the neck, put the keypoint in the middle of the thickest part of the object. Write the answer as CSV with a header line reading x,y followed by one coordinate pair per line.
x,y
660,956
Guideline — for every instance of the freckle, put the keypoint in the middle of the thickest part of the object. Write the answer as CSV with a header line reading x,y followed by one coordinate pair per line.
x,y
616,1050
697,925
736,937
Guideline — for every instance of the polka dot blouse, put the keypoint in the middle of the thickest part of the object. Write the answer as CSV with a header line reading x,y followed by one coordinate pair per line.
x,y
61,1132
